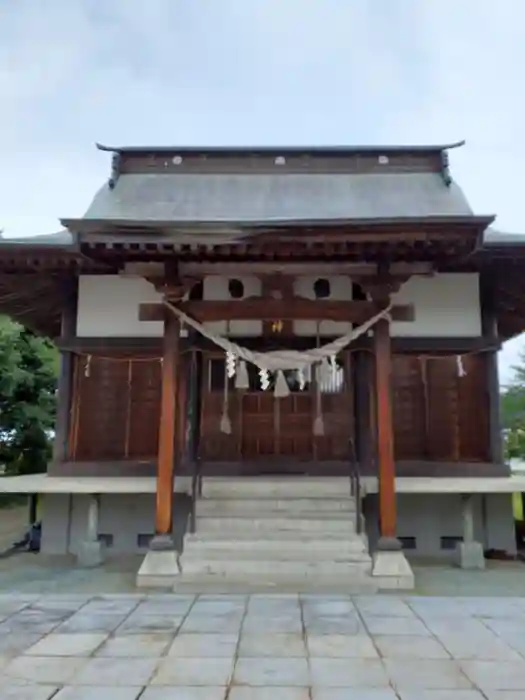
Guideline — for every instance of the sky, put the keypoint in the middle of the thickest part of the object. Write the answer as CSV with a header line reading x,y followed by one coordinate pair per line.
x,y
263,72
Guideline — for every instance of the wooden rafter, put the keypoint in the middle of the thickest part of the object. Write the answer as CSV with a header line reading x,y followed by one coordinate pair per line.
x,y
319,269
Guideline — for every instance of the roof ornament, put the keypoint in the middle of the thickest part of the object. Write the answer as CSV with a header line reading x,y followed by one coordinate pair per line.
x,y
445,168
115,169
445,162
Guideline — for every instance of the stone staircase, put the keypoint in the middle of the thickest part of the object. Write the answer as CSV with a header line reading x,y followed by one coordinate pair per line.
x,y
281,534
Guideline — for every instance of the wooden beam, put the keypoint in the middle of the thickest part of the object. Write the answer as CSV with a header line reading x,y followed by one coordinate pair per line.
x,y
275,309
319,269
167,428
385,431
134,345
65,377
143,269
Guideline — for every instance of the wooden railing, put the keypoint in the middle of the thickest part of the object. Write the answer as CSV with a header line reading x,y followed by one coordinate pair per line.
x,y
196,492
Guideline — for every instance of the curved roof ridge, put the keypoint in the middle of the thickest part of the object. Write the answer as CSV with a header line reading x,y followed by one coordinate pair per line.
x,y
495,237
58,238
400,148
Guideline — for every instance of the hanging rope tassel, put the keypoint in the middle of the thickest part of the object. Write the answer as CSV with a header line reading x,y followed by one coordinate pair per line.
x,y
242,381
460,368
281,388
275,360
226,425
318,426
301,378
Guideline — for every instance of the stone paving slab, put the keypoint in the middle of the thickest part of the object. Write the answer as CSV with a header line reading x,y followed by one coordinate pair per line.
x,y
261,647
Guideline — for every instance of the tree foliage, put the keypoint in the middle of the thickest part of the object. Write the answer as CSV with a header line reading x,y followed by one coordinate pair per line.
x,y
28,381
513,413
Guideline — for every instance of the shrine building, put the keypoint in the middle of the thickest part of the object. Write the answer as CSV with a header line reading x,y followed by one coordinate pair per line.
x,y
278,367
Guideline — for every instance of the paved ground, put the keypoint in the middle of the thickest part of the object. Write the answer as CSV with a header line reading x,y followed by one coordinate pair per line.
x,y
37,573
122,647
85,634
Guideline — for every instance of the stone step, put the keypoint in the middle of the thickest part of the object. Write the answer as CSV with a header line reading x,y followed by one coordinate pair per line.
x,y
352,541
275,487
246,534
263,514
250,569
244,527
354,549
274,506
220,585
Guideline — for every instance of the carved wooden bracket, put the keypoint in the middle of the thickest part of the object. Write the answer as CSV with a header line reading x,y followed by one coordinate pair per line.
x,y
164,276
173,290
382,286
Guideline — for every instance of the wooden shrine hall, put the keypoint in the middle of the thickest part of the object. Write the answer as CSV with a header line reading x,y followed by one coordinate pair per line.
x,y
236,321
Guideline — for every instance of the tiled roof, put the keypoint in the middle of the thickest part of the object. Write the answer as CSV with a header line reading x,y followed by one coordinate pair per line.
x,y
290,197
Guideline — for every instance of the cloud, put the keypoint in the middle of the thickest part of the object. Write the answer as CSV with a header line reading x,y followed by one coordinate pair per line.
x,y
258,72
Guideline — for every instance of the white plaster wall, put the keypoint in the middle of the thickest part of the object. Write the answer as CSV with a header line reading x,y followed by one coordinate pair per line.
x,y
108,306
426,517
340,290
445,305
124,516
216,288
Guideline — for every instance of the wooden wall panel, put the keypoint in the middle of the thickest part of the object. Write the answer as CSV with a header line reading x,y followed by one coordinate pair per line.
x,y
474,409
264,427
115,409
338,417
441,383
438,414
408,407
214,444
144,408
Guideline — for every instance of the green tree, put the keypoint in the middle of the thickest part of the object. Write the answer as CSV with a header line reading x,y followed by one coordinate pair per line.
x,y
28,381
513,413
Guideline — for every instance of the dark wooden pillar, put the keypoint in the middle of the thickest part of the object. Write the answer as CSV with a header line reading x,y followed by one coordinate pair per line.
x,y
65,377
193,405
363,404
167,428
385,431
489,329
496,437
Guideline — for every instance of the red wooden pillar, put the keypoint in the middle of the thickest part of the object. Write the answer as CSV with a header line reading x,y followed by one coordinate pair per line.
x,y
167,428
385,431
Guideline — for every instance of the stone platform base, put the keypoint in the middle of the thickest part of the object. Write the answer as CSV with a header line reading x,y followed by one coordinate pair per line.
x,y
159,569
90,554
470,555
391,571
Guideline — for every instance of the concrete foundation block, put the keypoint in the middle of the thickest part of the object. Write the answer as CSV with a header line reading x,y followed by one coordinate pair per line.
x,y
392,571
159,569
90,553
470,555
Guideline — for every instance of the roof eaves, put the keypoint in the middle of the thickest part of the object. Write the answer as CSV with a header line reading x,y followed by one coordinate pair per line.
x,y
60,239
492,238
238,150
84,224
